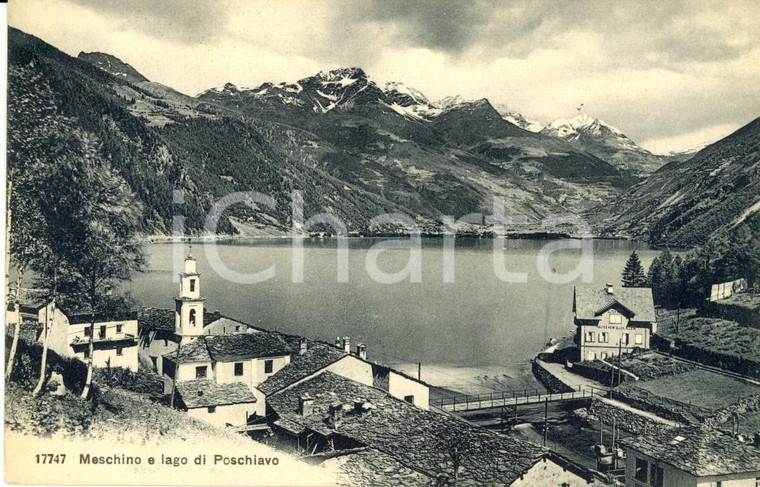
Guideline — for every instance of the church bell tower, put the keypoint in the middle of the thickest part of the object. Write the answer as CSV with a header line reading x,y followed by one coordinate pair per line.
x,y
189,304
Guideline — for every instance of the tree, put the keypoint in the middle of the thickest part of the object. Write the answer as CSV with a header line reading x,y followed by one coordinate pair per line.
x,y
633,273
665,279
39,142
77,217
107,249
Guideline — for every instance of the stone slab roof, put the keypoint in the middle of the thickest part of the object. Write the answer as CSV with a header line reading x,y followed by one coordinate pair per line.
x,y
150,319
204,393
413,436
701,451
230,348
373,467
227,348
318,356
85,318
189,353
589,302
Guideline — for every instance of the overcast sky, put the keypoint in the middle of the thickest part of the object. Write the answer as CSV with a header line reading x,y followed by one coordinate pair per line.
x,y
669,74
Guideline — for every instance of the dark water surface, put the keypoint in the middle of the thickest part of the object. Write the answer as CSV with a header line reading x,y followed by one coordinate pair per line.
x,y
476,322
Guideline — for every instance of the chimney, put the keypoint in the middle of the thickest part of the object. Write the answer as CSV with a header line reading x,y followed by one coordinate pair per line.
x,y
337,342
302,346
336,414
305,404
347,344
757,440
361,351
609,288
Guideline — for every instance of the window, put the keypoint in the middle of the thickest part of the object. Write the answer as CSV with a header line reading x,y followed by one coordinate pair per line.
x,y
237,328
192,285
192,317
211,409
590,336
591,356
604,355
639,339
200,372
757,481
87,331
409,399
604,337
717,484
119,351
268,366
615,318
655,476
641,470
86,354
626,338
238,368
118,328
102,331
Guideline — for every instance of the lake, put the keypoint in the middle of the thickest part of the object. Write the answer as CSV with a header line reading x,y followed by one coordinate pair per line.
x,y
475,334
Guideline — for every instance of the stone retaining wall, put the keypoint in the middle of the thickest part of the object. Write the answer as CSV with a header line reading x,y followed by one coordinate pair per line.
x,y
551,383
625,420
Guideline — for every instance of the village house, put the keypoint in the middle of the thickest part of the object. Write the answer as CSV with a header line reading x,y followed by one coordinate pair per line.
x,y
114,336
160,329
214,363
691,457
610,320
315,357
368,428
222,371
212,376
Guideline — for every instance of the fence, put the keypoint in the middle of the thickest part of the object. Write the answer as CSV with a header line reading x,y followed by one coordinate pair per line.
x,y
510,398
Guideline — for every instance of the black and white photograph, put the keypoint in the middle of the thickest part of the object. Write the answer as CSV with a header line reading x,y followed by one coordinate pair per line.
x,y
391,243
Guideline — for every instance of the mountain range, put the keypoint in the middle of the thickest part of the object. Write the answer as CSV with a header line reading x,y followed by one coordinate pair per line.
x,y
354,148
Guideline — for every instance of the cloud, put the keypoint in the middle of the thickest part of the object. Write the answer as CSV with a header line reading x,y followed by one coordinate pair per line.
x,y
656,70
689,141
185,21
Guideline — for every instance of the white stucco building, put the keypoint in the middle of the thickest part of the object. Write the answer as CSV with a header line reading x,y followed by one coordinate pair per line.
x,y
114,336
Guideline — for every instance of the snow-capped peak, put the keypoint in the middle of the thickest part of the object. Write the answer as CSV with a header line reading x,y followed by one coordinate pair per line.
x,y
449,102
518,119
566,127
414,94
584,127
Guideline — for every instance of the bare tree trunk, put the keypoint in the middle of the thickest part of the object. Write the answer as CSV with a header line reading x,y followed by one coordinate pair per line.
x,y
90,365
8,237
16,328
45,343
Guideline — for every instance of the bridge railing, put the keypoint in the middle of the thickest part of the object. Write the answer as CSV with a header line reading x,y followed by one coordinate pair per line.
x,y
525,396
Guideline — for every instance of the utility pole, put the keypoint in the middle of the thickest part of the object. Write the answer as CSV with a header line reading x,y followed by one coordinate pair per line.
x,y
419,370
678,319
546,419
612,378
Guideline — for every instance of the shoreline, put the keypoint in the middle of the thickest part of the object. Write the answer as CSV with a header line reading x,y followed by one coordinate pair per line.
x,y
167,239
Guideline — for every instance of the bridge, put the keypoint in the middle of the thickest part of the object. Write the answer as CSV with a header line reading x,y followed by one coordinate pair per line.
x,y
515,398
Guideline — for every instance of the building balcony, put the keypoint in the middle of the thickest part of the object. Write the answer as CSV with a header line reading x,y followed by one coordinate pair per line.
x,y
122,339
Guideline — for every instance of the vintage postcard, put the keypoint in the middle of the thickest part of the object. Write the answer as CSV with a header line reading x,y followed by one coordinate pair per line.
x,y
382,243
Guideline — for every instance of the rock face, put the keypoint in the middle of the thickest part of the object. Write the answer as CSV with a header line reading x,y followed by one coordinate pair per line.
x,y
605,142
353,148
113,66
715,193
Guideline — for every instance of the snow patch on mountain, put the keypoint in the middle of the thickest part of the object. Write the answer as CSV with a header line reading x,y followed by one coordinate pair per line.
x,y
518,119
